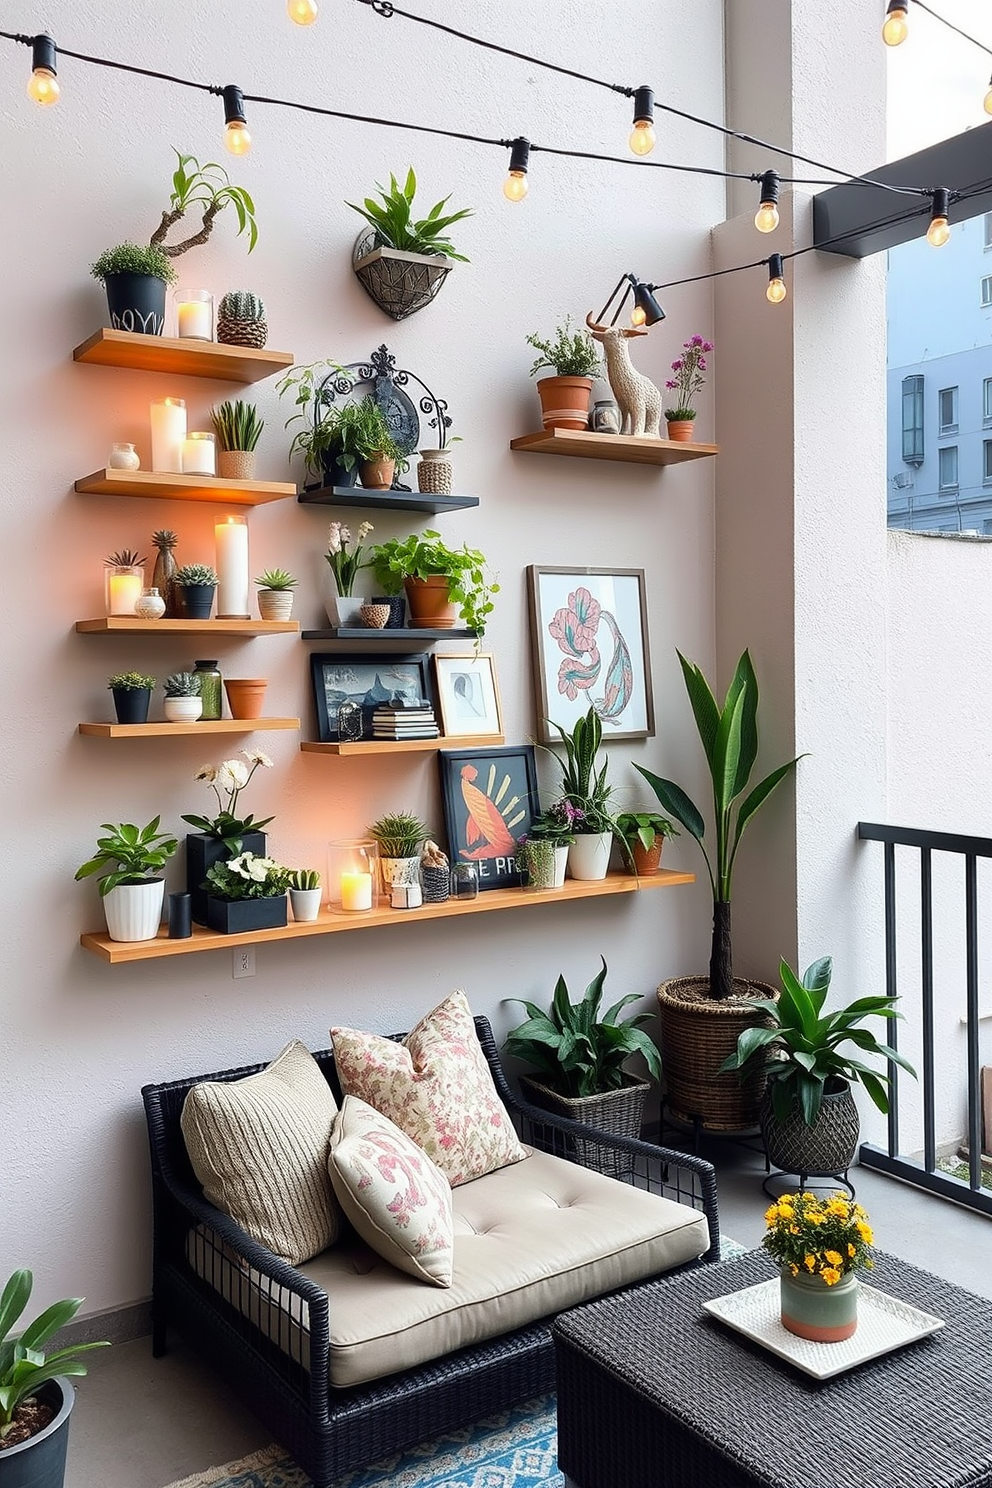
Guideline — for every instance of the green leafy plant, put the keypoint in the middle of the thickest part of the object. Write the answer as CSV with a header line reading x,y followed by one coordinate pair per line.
x,y
237,425
24,1366
800,1048
128,258
227,780
190,575
276,578
394,224
247,876
130,682
399,835
346,563
572,353
304,878
331,433
124,558
370,436
584,786
208,189
576,1052
182,684
556,825
138,852
424,554
643,827
729,736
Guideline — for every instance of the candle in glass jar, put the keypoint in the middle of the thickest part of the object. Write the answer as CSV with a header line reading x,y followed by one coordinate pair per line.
x,y
356,891
194,314
168,417
125,591
233,573
199,457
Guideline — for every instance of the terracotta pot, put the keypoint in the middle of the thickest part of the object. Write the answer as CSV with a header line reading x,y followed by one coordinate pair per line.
x,y
430,607
646,859
565,401
245,695
681,430
377,475
236,465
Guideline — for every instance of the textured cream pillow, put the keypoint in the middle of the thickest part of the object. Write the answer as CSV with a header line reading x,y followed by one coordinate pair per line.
x,y
396,1198
259,1148
436,1087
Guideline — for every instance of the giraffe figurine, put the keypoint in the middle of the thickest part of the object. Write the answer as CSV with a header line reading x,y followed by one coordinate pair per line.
x,y
638,400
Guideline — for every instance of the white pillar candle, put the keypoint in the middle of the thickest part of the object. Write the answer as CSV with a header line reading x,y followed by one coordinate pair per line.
x,y
233,573
356,891
168,432
194,314
125,591
199,455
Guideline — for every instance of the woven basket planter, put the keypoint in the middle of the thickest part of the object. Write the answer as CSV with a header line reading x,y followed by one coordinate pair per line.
x,y
400,283
825,1149
618,1112
697,1035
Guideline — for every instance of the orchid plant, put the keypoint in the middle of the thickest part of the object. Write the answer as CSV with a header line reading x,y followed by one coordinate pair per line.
x,y
227,780
688,379
344,564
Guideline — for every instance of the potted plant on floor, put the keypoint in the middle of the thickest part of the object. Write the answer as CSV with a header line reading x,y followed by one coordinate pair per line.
x,y
245,893
401,263
275,594
227,834
238,428
128,860
809,1120
440,582
345,557
132,695
194,585
642,835
183,703
399,835
305,893
684,386
36,1398
584,787
702,1017
565,396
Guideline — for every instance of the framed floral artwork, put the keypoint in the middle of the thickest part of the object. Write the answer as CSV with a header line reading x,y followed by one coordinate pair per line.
x,y
490,800
589,642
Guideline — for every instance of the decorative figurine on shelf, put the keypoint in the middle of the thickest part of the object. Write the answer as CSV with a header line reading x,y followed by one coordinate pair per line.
x,y
637,397
123,457
165,568
435,873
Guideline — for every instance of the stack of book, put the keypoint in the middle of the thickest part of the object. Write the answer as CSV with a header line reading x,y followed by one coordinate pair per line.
x,y
404,721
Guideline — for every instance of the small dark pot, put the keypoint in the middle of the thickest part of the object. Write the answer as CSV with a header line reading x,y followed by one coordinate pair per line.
x,y
334,474
136,303
202,852
194,601
823,1150
397,609
40,1461
132,703
235,916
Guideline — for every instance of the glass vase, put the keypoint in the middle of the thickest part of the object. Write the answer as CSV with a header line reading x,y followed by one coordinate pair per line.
x,y
353,875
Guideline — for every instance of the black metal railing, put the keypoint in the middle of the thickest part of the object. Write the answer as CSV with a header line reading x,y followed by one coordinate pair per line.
x,y
924,1172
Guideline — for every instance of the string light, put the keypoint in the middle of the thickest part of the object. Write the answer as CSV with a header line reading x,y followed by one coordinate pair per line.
x,y
988,99
515,185
43,84
895,30
940,229
776,291
303,12
766,218
236,136
642,137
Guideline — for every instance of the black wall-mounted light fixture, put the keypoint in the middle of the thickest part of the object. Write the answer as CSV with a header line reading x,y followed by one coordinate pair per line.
x,y
236,136
646,311
515,185
43,84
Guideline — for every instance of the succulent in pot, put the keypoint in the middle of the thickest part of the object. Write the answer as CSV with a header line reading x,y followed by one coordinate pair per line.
x,y
305,893
194,585
238,428
128,860
183,703
574,360
275,593
132,695
440,582
399,835
241,319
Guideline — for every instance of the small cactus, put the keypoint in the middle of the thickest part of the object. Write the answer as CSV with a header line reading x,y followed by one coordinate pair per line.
x,y
241,304
182,684
241,319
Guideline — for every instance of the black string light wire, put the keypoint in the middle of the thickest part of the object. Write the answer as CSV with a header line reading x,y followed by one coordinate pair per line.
x,y
895,31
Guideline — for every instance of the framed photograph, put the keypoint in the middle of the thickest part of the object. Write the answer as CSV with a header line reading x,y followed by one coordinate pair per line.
x,y
490,799
467,694
341,679
589,640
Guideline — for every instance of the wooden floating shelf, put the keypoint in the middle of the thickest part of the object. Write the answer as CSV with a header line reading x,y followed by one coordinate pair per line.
x,y
399,639
357,496
586,446
184,358
333,921
402,746
202,726
162,486
128,625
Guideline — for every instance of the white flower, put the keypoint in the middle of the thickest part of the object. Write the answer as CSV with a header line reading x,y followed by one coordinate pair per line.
x,y
206,772
345,534
260,868
257,757
364,529
241,865
231,775
334,538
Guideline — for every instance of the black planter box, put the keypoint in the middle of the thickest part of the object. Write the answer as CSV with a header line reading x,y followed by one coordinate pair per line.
x,y
131,704
235,916
202,852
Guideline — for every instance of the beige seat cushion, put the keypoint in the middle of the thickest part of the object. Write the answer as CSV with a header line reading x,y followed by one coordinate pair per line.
x,y
259,1148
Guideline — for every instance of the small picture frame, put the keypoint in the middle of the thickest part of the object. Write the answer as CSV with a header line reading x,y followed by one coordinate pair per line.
x,y
367,681
490,800
468,695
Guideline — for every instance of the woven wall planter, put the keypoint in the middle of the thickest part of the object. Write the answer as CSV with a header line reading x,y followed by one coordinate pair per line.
x,y
822,1150
697,1035
400,283
618,1112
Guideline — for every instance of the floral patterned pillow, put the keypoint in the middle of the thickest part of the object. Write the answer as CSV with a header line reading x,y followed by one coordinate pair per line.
x,y
395,1197
437,1087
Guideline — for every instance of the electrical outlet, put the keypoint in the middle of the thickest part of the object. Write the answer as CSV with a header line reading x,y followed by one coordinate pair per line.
x,y
243,960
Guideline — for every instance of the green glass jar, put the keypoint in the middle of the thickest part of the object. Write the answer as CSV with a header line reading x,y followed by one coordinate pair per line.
x,y
211,689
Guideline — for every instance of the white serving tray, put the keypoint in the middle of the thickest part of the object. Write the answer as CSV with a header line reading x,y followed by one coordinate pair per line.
x,y
884,1323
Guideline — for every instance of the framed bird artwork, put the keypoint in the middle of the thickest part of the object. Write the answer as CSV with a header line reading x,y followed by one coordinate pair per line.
x,y
490,800
589,639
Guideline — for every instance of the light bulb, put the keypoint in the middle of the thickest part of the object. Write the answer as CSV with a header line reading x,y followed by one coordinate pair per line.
x,y
515,186
988,99
642,137
236,137
895,29
776,291
938,232
43,86
766,218
303,12
638,316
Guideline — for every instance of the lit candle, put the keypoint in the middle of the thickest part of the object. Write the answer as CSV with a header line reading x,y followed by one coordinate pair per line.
x,y
194,314
168,432
124,590
199,457
233,573
356,891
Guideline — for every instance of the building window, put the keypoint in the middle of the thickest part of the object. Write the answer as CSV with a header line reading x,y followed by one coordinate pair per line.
x,y
987,462
948,468
912,419
947,405
987,289
988,229
987,401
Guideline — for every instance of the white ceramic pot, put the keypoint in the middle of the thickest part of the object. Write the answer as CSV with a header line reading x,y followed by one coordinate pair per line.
x,y
134,911
398,871
589,855
182,709
305,903
561,863
344,610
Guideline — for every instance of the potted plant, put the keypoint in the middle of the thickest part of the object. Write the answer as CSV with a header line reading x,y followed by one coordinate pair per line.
x,y
36,1398
400,262
238,428
345,557
245,893
379,456
305,893
684,386
226,834
194,585
128,859
556,825
325,437
808,1116
585,789
440,582
399,835
565,396
183,703
643,834
702,1017
241,319
135,279
132,695
820,1245
275,594
580,1060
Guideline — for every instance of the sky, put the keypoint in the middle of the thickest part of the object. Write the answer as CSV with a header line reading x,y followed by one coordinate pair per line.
x,y
937,81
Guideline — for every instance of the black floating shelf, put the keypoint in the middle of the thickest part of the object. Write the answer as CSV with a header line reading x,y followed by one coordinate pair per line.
x,y
362,638
356,496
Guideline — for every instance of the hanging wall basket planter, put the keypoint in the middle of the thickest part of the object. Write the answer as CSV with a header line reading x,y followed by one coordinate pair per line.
x,y
400,283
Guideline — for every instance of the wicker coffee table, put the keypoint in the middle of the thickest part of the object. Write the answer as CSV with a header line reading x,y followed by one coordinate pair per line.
x,y
653,1393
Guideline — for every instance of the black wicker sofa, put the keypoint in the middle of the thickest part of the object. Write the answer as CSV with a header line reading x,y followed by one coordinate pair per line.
x,y
248,1316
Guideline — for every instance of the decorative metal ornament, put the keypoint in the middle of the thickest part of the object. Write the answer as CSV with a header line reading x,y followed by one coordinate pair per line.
x,y
349,722
399,283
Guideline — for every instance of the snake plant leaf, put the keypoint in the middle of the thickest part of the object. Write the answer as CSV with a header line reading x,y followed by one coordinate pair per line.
x,y
704,705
